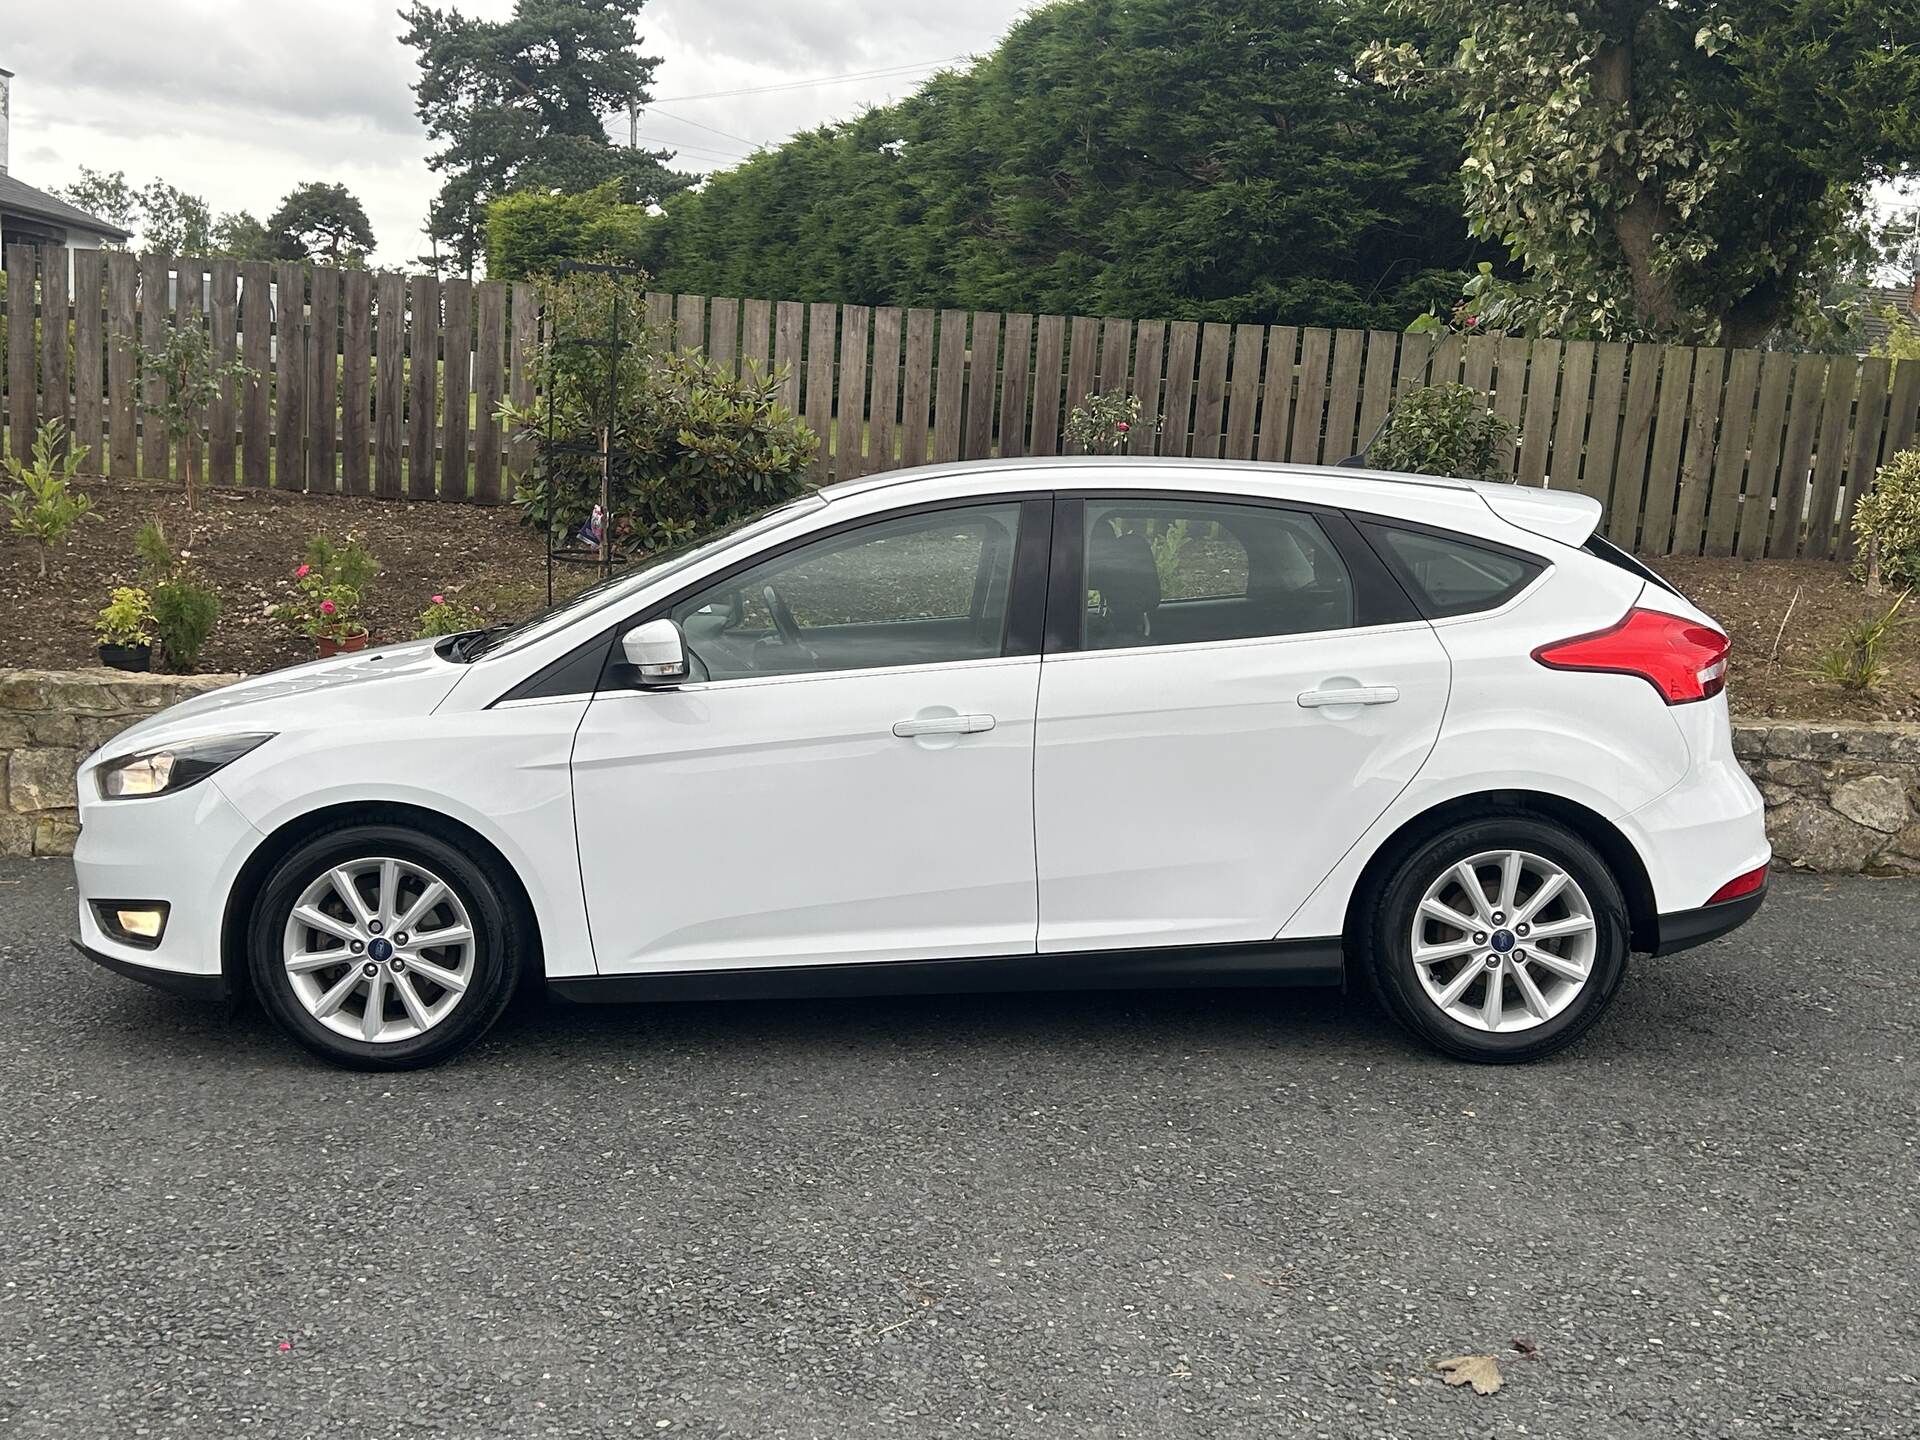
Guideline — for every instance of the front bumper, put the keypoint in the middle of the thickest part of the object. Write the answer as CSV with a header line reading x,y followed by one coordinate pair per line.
x,y
193,987
1685,929
185,849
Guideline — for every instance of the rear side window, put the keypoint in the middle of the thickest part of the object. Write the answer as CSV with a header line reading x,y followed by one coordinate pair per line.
x,y
1449,575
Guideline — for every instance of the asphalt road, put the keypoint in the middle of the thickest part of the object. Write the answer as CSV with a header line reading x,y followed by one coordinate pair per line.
x,y
1236,1214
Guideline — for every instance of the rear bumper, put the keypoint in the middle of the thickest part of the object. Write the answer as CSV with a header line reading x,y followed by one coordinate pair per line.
x,y
1684,929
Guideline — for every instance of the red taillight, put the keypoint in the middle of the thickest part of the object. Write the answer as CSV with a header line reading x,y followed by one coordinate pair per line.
x,y
1740,885
1682,659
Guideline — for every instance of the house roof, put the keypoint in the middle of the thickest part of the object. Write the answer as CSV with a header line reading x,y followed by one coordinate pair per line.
x,y
19,198
1900,299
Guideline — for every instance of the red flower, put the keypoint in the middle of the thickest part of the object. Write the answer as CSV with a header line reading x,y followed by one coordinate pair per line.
x,y
1122,427
301,573
439,599
326,607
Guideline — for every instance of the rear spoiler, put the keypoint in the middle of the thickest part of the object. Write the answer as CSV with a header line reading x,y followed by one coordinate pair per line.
x,y
1557,514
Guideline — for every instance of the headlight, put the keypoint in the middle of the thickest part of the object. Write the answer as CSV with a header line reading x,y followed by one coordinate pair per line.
x,y
172,767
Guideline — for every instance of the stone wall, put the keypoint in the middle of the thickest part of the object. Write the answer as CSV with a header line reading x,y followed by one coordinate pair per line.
x,y
49,721
1839,798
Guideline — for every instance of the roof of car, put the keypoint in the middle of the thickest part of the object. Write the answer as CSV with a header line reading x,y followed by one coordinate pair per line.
x,y
1041,464
1564,515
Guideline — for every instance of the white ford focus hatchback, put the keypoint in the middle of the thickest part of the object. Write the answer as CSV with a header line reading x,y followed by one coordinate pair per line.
x,y
1045,724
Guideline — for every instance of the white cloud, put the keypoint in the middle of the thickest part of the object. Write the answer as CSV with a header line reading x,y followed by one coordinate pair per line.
x,y
240,100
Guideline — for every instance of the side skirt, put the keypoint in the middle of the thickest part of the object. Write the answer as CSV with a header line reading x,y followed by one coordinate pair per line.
x,y
1272,962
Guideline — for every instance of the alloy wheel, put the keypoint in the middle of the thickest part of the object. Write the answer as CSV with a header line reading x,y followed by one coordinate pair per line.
x,y
379,949
1504,940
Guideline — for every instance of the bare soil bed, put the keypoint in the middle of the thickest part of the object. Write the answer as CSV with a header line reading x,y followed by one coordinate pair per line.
x,y
1782,614
247,542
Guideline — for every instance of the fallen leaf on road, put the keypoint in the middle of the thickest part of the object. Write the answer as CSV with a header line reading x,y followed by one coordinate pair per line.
x,y
1480,1371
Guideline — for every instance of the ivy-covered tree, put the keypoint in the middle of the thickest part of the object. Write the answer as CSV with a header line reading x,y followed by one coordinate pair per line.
x,y
1207,159
323,223
523,103
1683,170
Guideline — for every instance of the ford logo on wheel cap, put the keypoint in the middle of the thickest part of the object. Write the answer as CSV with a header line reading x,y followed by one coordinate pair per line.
x,y
1502,941
382,950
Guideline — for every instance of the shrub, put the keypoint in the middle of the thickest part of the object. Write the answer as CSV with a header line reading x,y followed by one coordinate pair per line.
x,y
331,584
127,619
185,607
1853,662
1887,520
1107,424
1445,430
448,617
697,447
45,507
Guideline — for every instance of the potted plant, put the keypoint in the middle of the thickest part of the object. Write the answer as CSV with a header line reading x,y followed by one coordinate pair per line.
x,y
329,584
125,632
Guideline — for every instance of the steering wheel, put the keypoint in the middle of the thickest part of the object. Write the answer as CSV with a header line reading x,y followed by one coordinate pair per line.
x,y
783,620
790,651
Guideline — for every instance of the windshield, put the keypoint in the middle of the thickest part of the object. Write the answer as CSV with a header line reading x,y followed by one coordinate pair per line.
x,y
630,577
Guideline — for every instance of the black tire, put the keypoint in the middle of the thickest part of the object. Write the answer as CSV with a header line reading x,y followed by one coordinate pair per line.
x,y
1384,943
498,948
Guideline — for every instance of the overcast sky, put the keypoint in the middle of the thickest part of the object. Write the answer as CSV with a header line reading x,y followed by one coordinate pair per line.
x,y
240,100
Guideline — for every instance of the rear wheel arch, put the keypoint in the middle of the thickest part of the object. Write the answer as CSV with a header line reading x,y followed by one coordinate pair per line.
x,y
1629,870
245,892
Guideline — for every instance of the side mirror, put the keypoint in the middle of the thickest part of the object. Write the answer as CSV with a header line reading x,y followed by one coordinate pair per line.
x,y
657,651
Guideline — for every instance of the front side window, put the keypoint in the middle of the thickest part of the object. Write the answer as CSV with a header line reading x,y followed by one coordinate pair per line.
x,y
920,589
1182,572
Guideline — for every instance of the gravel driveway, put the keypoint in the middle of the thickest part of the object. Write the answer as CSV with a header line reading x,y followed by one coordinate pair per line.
x,y
1236,1214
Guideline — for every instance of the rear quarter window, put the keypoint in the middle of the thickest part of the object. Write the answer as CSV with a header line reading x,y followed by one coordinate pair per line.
x,y
1450,575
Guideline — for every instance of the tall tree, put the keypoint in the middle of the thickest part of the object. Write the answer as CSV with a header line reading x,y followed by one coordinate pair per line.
x,y
523,103
240,234
1207,159
323,223
168,220
1684,170
107,194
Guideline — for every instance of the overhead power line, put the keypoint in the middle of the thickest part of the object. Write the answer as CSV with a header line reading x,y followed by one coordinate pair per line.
x,y
710,129
803,84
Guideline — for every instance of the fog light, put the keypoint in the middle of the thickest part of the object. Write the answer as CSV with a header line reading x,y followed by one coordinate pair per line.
x,y
134,922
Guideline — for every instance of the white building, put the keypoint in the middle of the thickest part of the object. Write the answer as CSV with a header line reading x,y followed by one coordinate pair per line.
x,y
33,217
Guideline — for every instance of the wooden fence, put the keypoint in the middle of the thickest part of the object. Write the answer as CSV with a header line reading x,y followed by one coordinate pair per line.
x,y
1693,450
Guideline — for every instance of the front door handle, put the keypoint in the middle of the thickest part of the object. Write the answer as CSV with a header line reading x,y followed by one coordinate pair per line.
x,y
1359,695
943,725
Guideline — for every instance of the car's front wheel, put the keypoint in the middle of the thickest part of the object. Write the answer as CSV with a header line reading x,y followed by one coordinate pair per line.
x,y
382,947
1500,940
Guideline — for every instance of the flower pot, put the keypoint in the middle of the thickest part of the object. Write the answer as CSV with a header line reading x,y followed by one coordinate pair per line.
x,y
330,646
137,658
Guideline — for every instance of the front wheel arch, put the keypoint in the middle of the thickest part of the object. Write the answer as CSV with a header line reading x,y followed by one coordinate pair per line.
x,y
238,916
1629,870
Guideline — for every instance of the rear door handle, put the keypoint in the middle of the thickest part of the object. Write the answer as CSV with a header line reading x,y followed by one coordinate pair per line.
x,y
943,725
1360,695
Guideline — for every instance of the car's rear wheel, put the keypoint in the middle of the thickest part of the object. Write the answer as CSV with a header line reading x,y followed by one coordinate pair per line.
x,y
1499,940
382,947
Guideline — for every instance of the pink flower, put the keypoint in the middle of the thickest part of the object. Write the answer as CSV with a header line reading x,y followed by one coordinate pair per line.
x,y
301,573
1122,427
285,1345
439,599
326,607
